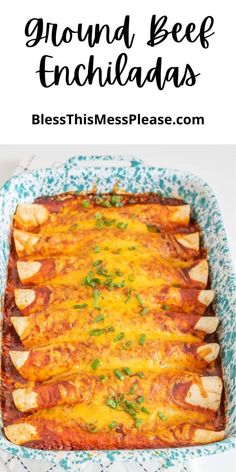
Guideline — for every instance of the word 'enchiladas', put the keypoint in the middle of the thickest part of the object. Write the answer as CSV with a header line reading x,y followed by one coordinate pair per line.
x,y
109,336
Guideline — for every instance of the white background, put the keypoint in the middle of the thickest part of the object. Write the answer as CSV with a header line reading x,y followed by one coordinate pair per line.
x,y
23,95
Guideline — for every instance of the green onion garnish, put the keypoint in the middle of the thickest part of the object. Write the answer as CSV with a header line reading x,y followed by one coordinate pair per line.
x,y
73,227
96,249
133,389
139,298
79,307
96,332
95,298
162,416
142,339
140,399
85,203
138,422
112,425
165,307
121,225
145,410
99,318
119,337
103,378
140,375
119,374
111,402
127,371
95,364
144,311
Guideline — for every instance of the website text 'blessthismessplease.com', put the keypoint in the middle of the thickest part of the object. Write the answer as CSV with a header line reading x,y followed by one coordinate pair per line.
x,y
115,120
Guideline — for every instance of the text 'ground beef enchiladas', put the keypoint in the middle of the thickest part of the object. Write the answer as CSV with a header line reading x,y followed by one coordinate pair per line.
x,y
109,336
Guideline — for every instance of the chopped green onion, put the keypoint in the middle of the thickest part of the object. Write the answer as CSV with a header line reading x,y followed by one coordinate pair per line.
x,y
97,262
103,377
112,425
111,402
165,307
162,416
78,307
139,298
109,329
119,374
90,280
121,225
99,318
119,337
105,203
138,422
95,298
140,375
133,389
127,345
129,294
140,399
132,248
96,249
131,277
145,410
85,203
116,200
144,311
95,364
98,215
142,339
96,332
127,371
73,227
92,428
153,228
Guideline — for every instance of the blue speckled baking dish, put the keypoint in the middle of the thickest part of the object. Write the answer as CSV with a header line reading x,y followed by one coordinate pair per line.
x,y
81,174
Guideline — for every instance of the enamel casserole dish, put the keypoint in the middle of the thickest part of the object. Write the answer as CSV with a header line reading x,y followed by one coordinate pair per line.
x,y
82,174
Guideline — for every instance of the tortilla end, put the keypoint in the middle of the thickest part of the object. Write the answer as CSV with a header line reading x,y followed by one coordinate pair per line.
x,y
19,358
189,241
20,324
182,214
199,272
24,297
206,297
207,324
207,395
27,269
209,352
31,215
21,433
205,436
24,240
25,399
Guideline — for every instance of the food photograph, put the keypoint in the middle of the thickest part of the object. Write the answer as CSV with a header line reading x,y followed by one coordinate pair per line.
x,y
118,311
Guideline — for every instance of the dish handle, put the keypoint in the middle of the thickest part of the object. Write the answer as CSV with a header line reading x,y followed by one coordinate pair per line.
x,y
103,161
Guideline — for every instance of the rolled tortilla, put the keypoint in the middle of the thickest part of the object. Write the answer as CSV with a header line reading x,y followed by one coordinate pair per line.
x,y
176,246
184,390
31,215
46,362
44,328
36,216
166,298
145,273
79,435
